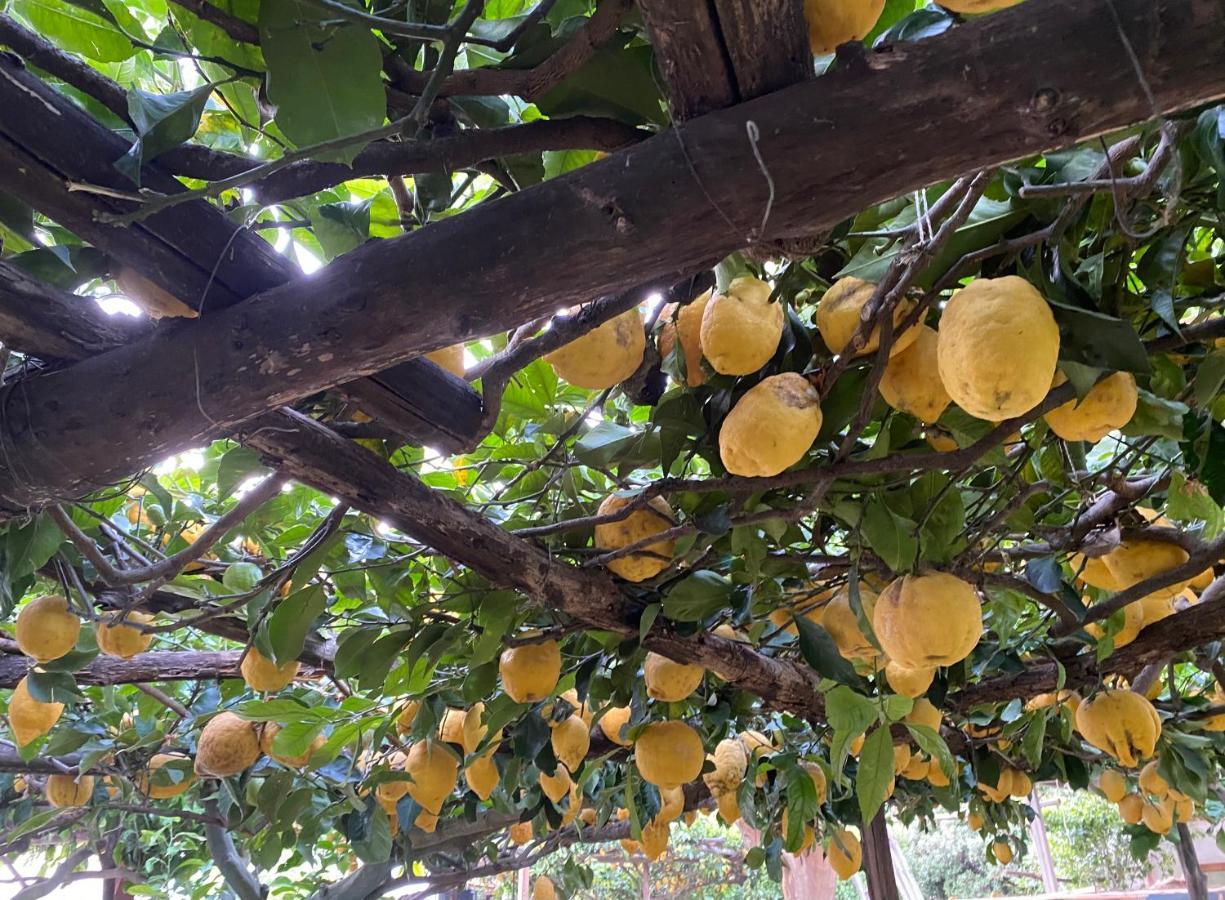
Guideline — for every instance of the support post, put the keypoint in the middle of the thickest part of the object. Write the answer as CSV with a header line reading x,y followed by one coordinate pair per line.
x,y
1042,846
1197,883
878,860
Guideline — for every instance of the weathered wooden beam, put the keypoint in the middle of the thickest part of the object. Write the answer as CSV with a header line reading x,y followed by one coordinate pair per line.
x,y
855,136
143,668
43,321
767,43
56,158
690,54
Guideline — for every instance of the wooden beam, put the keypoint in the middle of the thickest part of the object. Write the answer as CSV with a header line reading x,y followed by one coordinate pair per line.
x,y
767,43
56,158
143,668
55,325
690,54
881,128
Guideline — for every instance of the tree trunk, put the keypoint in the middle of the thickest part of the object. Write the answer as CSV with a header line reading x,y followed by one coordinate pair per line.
x,y
1197,883
878,860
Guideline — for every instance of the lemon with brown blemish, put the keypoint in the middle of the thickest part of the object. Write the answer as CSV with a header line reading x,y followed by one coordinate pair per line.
x,y
772,427
604,356
839,313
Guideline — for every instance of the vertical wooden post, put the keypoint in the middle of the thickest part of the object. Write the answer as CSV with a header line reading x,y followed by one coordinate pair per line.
x,y
878,860
646,880
1197,884
1042,846
525,884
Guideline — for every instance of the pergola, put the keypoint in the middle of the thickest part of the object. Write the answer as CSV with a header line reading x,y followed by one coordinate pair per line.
x,y
737,167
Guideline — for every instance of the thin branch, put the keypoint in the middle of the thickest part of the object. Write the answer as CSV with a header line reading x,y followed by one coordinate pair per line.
x,y
226,858
172,565
239,29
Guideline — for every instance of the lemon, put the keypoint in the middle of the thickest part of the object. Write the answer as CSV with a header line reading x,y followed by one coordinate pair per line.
x,y
997,349
1131,808
228,745
571,740
741,328
164,786
1002,852
843,625
844,853
481,775
669,754
909,682
977,6
434,771
838,317
835,22
46,629
1109,405
604,356
263,675
449,358
911,383
613,720
30,719
670,681
650,560
927,620
122,639
687,323
771,427
69,790
543,889
530,672
1121,723
298,761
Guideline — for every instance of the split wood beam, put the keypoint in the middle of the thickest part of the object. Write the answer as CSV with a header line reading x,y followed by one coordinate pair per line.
x,y
59,160
902,118
143,668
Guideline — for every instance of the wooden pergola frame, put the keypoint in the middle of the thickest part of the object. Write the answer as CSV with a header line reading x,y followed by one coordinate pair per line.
x,y
759,152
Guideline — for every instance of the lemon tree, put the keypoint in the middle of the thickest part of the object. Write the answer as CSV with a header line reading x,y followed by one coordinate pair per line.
x,y
895,518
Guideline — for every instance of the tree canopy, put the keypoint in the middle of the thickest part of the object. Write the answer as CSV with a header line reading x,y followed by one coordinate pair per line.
x,y
897,496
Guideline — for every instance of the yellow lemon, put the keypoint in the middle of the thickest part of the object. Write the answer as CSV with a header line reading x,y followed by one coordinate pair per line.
x,y
228,745
771,427
122,639
844,853
449,358
1109,405
604,356
911,383
530,672
69,790
927,620
263,675
669,754
46,629
29,718
670,681
835,22
838,317
1121,723
741,328
687,323
651,559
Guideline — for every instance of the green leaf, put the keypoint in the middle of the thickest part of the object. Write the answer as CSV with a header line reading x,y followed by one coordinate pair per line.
x,y
30,546
559,162
374,846
75,29
875,772
938,506
1209,377
1190,501
162,121
700,595
616,82
1157,416
341,227
1031,744
849,714
891,537
291,621
820,652
931,743
1097,340
605,444
236,466
325,81
53,687
647,620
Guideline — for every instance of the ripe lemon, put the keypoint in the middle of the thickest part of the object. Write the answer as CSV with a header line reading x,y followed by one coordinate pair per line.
x,y
557,785
1002,852
46,629
927,620
669,754
817,775
741,328
975,821
687,323
911,383
670,681
1109,405
604,356
936,776
729,807
123,640
543,889
835,22
655,839
771,427
1134,561
482,774
730,761
671,804
449,358
530,672
475,729
1131,808
843,625
1121,723
1093,571
434,771
612,722
650,560
838,317
924,713
844,853
1151,781
451,729
997,349
1158,817
408,715
1133,622
909,682
152,298
263,675
571,740
977,6
69,790
164,786
228,745
30,719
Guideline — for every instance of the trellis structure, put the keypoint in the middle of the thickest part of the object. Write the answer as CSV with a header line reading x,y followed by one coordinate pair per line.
x,y
759,154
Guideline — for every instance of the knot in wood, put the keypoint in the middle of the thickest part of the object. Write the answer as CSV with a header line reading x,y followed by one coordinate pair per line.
x,y
1045,99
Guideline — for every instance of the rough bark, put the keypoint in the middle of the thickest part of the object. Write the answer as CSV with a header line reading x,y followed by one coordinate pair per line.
x,y
156,666
1188,860
660,206
878,860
